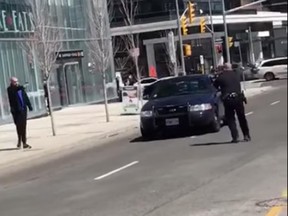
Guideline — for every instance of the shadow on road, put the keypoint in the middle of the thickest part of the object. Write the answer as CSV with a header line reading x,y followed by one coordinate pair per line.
x,y
171,135
212,144
215,143
267,83
9,149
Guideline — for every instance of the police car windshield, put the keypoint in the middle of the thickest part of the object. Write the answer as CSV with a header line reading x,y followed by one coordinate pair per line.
x,y
184,86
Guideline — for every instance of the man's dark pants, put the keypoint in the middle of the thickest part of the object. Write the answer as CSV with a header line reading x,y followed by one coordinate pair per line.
x,y
20,120
232,106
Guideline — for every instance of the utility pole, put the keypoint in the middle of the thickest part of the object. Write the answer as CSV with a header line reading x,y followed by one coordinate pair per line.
x,y
180,38
226,32
251,45
213,35
225,22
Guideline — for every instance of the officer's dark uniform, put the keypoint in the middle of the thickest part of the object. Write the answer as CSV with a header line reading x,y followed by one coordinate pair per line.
x,y
229,84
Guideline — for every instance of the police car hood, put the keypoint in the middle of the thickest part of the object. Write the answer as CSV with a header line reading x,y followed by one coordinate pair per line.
x,y
180,100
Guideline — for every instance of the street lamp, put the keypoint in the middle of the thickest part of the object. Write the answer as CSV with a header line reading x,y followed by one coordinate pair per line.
x,y
225,22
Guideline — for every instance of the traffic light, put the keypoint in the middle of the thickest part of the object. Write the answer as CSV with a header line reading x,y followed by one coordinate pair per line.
x,y
231,42
184,25
202,25
191,12
187,50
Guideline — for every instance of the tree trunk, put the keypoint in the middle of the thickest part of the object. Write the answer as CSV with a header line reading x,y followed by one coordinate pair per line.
x,y
105,96
51,108
139,83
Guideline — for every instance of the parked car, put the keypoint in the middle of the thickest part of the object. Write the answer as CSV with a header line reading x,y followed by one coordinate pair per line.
x,y
271,69
181,103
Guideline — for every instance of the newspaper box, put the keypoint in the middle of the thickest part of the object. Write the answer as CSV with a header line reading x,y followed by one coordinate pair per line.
x,y
130,101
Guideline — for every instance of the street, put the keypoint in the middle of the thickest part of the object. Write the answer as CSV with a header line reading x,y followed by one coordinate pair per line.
x,y
199,175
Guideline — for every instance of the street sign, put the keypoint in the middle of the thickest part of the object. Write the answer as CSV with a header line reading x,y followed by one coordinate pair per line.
x,y
135,52
172,50
236,44
264,34
70,54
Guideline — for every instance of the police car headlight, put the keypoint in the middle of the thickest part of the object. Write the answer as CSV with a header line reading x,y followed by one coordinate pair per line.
x,y
147,114
200,107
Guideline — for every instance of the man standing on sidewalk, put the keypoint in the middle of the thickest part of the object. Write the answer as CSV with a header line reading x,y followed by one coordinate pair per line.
x,y
19,102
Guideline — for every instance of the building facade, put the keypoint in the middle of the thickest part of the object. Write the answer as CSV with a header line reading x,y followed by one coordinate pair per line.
x,y
276,5
72,82
266,34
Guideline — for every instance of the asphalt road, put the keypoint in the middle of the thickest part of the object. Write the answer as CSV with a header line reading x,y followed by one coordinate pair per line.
x,y
199,175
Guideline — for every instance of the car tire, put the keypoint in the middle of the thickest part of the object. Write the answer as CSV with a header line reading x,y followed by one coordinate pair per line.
x,y
148,134
269,76
216,124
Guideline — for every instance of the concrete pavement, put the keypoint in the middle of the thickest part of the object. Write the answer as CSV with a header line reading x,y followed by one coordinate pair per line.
x,y
199,175
74,125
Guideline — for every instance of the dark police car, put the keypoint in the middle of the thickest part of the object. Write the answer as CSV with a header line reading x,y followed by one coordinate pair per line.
x,y
181,103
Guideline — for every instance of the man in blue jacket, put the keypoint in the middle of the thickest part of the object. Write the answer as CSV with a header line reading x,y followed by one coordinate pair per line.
x,y
19,102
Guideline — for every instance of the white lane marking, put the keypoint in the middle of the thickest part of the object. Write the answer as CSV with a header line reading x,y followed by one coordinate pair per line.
x,y
117,170
274,103
250,113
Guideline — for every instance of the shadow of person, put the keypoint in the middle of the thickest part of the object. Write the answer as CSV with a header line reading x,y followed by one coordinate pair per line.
x,y
9,149
214,144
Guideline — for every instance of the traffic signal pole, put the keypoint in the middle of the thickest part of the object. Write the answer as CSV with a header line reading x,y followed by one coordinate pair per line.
x,y
180,38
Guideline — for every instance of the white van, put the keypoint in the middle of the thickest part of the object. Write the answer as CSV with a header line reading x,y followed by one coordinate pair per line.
x,y
271,69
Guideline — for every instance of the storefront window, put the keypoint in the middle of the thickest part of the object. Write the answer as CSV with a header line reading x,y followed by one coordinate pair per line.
x,y
74,84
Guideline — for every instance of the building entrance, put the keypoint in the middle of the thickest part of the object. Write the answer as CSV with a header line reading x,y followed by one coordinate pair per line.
x,y
70,80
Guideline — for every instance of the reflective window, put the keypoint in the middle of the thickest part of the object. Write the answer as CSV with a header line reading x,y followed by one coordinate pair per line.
x,y
71,82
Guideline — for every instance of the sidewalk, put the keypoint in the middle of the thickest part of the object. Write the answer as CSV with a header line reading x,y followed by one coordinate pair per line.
x,y
74,125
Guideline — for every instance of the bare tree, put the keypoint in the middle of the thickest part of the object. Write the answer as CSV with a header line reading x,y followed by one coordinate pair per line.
x,y
119,47
129,9
121,63
100,48
43,44
170,65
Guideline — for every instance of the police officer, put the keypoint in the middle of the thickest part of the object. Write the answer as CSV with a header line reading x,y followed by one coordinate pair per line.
x,y
229,84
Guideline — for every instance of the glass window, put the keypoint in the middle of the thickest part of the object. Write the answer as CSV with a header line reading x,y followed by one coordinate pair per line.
x,y
269,64
275,63
182,86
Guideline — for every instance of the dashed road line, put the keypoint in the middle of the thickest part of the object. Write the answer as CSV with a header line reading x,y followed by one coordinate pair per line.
x,y
274,103
116,171
249,113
